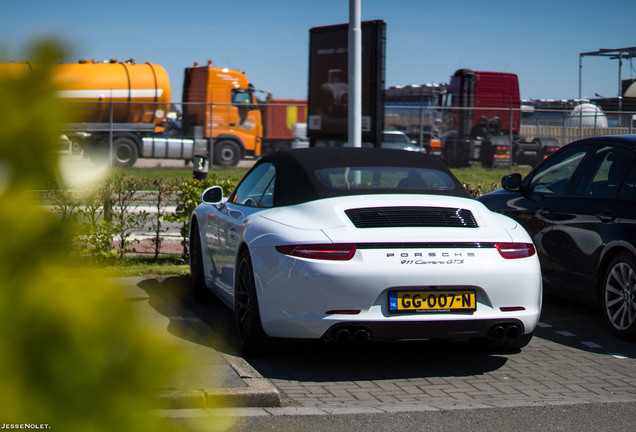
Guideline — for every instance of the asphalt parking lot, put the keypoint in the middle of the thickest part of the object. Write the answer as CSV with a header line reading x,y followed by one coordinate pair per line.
x,y
572,359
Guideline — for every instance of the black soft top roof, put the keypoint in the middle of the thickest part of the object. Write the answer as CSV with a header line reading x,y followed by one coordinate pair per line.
x,y
296,181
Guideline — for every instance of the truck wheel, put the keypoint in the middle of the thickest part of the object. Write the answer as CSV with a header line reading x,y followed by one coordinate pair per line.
x,y
76,148
227,153
125,152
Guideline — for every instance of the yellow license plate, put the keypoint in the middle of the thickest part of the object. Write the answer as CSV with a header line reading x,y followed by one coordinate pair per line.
x,y
432,301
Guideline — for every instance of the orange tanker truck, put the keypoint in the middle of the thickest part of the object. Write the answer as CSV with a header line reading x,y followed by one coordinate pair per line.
x,y
129,103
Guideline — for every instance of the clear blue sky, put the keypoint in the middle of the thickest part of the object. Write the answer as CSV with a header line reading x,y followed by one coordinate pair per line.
x,y
540,40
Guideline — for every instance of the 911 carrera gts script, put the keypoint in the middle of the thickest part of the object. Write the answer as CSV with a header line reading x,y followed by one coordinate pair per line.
x,y
423,262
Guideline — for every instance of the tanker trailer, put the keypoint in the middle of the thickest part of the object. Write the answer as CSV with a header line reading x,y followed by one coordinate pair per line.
x,y
123,100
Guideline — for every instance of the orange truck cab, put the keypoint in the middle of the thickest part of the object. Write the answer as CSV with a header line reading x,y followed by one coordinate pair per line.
x,y
222,102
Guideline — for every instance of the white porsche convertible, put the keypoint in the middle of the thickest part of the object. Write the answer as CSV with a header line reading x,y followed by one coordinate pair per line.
x,y
350,244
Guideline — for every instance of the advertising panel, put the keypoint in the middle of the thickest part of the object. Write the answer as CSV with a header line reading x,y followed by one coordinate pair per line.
x,y
328,106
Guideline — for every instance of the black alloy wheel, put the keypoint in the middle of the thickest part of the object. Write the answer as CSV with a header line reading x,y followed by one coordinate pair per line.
x,y
619,296
251,336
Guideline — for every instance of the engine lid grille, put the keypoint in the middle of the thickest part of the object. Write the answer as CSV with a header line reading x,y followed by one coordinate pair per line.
x,y
385,217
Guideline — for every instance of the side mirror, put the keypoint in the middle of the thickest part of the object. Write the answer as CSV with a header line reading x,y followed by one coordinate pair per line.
x,y
212,195
511,182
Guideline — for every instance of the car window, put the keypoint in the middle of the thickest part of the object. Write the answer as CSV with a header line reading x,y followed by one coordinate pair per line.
x,y
605,172
628,189
257,189
553,177
385,178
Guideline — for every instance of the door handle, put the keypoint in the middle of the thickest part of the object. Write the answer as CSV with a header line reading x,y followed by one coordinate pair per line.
x,y
232,232
606,217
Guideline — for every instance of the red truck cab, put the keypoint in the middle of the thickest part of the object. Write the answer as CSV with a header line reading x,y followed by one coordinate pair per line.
x,y
481,122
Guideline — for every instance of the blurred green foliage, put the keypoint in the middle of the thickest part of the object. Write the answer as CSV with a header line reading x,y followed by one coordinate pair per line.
x,y
71,355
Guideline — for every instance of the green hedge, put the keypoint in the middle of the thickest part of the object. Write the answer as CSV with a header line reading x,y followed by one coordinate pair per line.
x,y
101,218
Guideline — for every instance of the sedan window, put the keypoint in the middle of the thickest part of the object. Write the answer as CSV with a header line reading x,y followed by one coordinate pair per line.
x,y
628,190
605,172
257,189
553,177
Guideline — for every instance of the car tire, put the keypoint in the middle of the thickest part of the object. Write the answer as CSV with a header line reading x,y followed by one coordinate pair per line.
x,y
618,296
252,339
200,291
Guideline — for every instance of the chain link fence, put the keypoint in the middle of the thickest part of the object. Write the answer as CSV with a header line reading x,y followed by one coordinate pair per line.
x,y
228,132
423,123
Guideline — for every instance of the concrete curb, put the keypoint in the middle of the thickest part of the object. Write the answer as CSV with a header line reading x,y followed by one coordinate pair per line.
x,y
257,393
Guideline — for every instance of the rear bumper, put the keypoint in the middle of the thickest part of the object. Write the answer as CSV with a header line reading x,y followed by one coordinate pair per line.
x,y
414,330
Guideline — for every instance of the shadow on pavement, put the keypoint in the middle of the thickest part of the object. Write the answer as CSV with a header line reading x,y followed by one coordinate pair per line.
x,y
314,360
565,323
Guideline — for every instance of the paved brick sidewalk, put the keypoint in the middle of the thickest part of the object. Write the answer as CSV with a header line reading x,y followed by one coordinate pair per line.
x,y
572,359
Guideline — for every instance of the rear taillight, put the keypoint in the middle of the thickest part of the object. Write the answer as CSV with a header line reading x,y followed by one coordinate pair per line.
x,y
332,252
515,250
436,147
502,152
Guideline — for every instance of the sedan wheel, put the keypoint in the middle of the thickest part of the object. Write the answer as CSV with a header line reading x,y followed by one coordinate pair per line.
x,y
251,337
619,296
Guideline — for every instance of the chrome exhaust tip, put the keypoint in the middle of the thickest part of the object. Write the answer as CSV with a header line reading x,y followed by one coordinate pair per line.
x,y
343,335
361,336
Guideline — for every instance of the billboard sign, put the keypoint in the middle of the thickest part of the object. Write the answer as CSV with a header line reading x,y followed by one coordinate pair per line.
x,y
328,102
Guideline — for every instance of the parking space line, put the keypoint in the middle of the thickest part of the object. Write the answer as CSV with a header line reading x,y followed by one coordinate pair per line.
x,y
591,345
565,333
